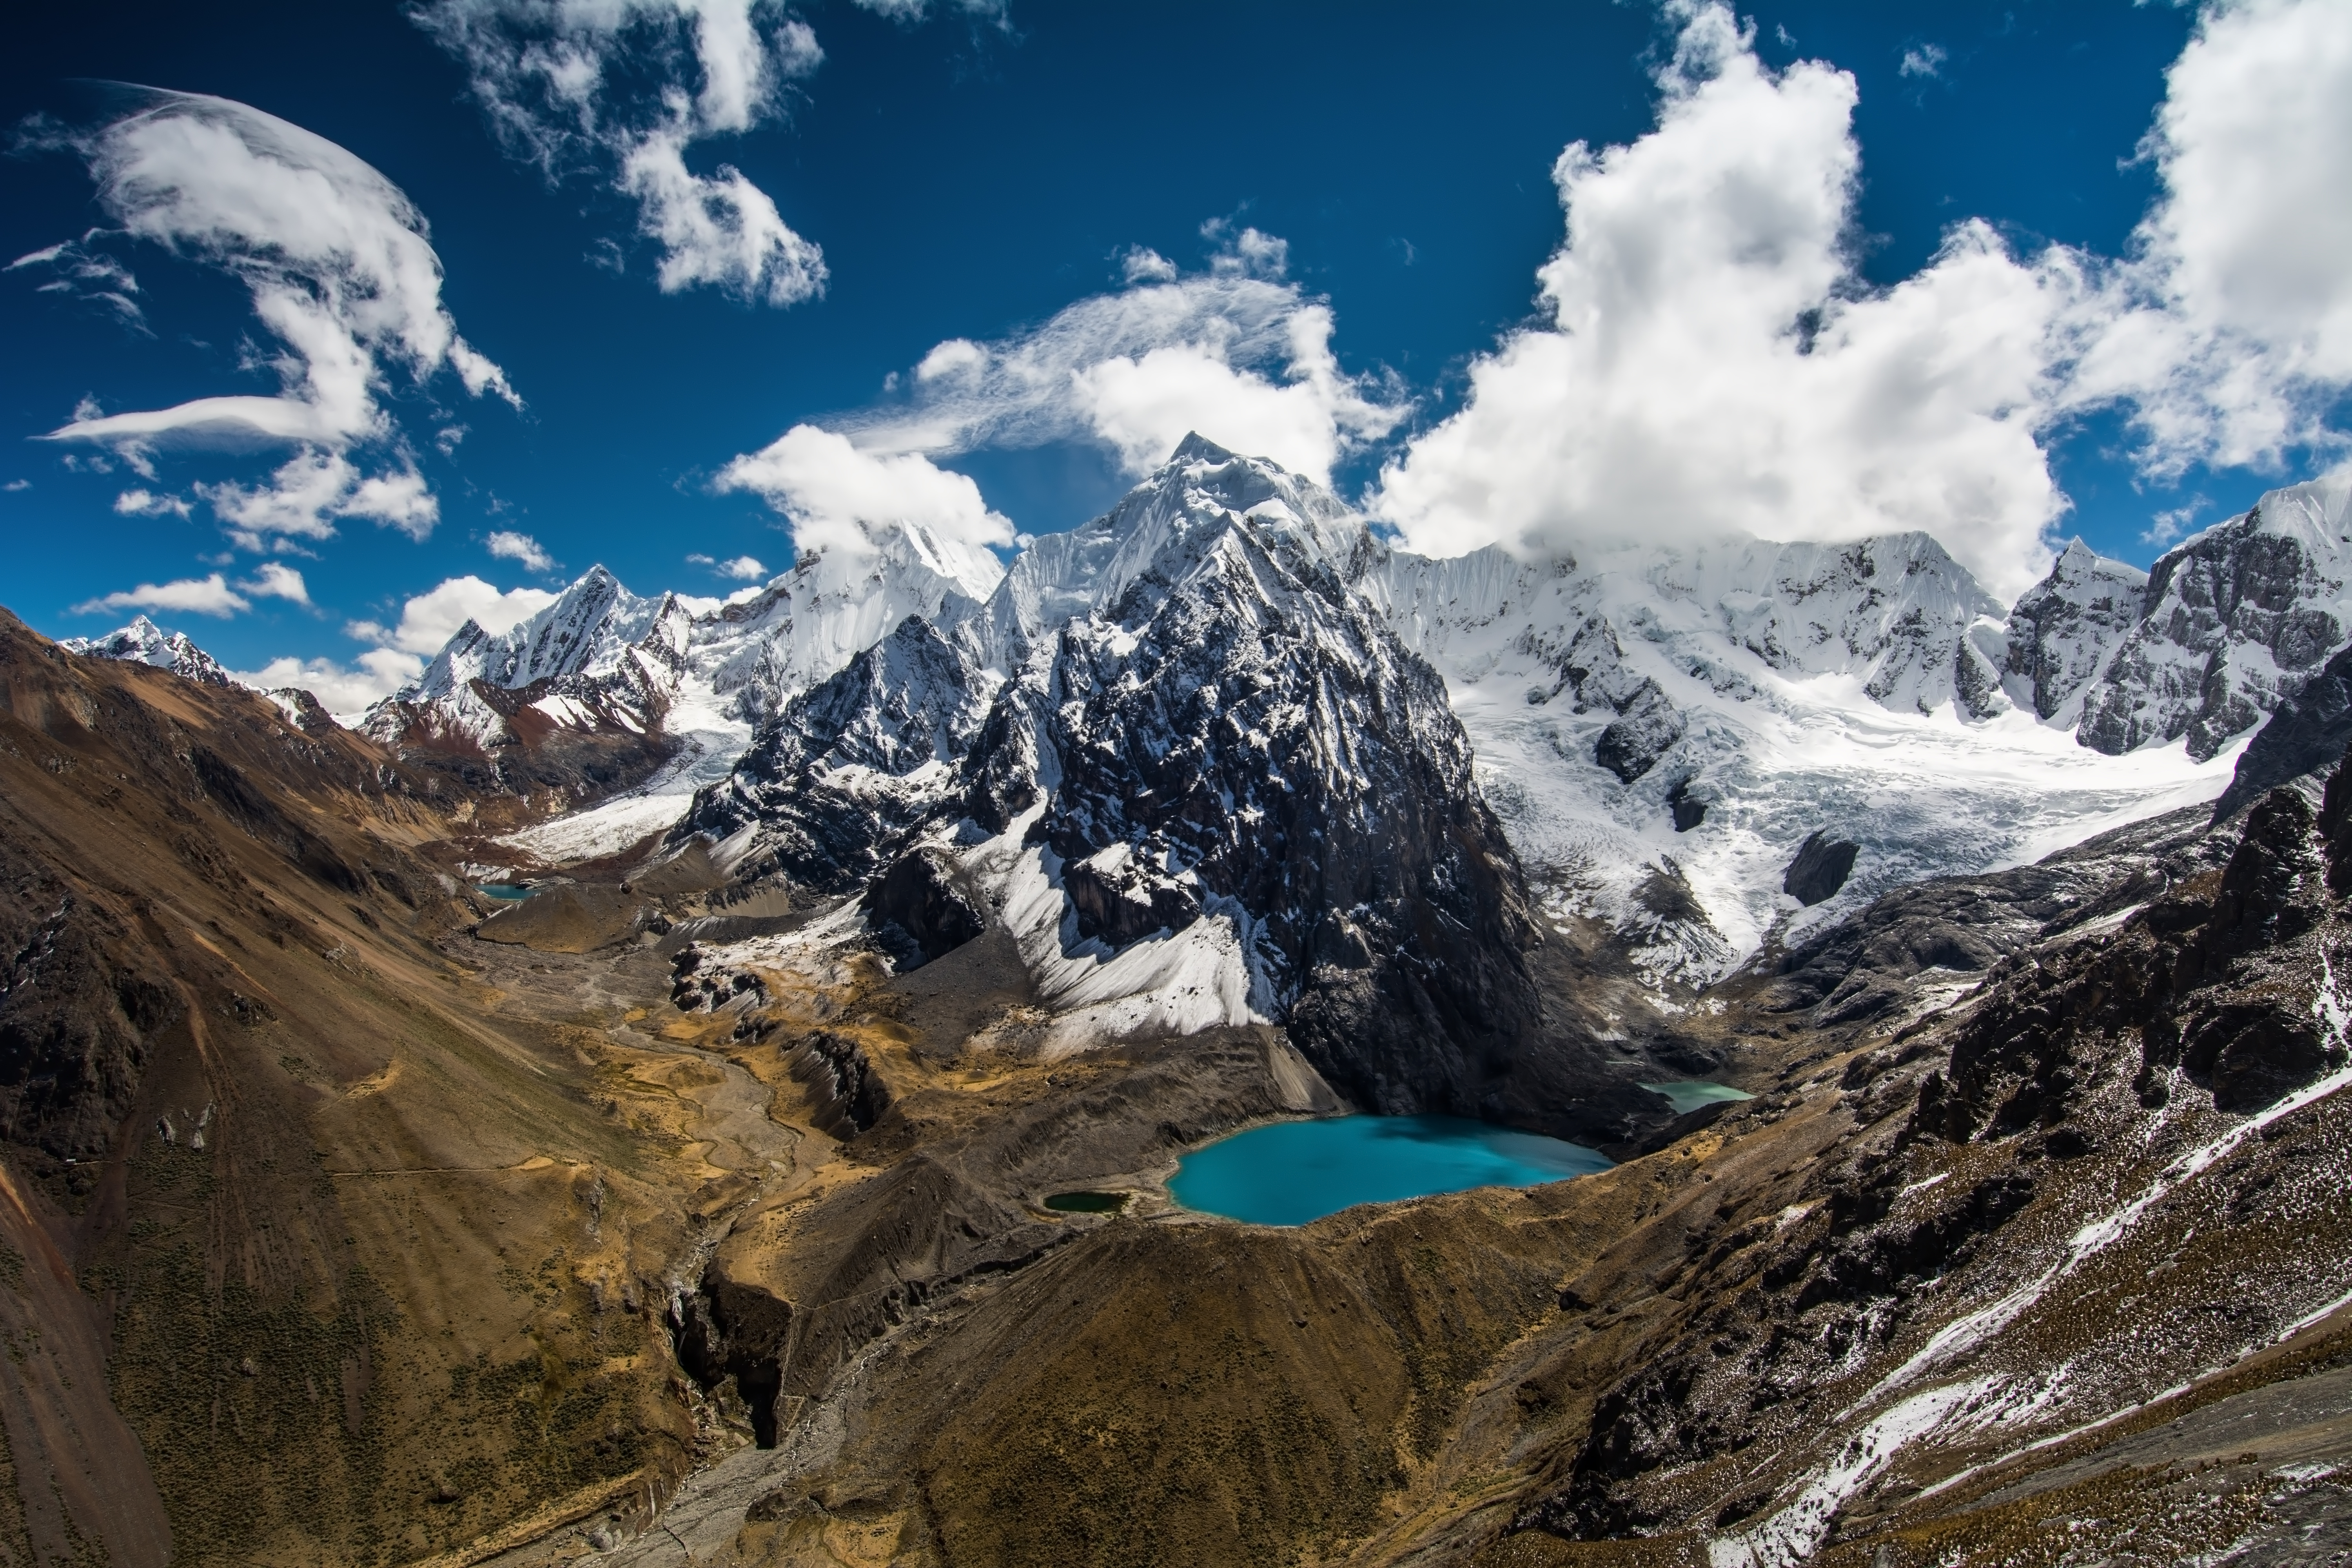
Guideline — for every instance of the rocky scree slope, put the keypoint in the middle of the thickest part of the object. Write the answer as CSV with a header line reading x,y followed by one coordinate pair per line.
x,y
312,1248
2046,1189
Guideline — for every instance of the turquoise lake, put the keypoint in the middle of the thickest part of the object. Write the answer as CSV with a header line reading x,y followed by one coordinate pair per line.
x,y
1293,1171
503,892
1687,1097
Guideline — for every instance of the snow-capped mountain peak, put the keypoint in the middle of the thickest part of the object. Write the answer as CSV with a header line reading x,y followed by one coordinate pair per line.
x,y
145,642
1659,729
1152,536
2232,623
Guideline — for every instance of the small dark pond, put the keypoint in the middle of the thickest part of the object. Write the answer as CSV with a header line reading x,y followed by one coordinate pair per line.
x,y
1087,1203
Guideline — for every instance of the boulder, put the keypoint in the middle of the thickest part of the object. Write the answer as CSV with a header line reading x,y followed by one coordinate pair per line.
x,y
1819,869
1645,727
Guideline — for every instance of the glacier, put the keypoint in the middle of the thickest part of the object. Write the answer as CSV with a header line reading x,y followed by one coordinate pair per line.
x,y
1656,730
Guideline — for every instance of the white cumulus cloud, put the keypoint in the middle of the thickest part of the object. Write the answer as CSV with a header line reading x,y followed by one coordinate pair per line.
x,y
835,496
275,580
621,89
509,545
430,618
309,490
2229,329
1713,365
345,690
209,595
141,502
742,569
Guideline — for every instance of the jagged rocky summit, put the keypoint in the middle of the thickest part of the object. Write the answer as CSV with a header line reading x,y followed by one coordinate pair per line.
x,y
1192,771
1658,731
145,642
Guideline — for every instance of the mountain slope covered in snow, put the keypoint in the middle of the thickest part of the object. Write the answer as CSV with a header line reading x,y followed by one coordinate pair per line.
x,y
1659,731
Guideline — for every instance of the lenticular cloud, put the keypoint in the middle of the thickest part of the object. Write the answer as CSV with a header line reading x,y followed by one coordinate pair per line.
x,y
1238,353
342,271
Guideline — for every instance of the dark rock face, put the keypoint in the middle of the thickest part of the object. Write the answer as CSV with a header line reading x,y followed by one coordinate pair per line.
x,y
1117,903
1645,725
1822,865
1259,741
77,1009
2176,674
827,781
310,715
917,910
2307,734
1860,968
849,1095
2214,977
1686,809
2065,628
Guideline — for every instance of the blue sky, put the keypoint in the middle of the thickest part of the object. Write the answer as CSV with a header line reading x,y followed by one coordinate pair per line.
x,y
968,173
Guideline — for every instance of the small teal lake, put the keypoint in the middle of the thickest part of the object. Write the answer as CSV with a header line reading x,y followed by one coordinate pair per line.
x,y
1687,1097
502,892
1293,1171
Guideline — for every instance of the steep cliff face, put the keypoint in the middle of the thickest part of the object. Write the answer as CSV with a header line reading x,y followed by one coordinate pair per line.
x,y
2230,623
2063,631
1240,737
834,783
1215,790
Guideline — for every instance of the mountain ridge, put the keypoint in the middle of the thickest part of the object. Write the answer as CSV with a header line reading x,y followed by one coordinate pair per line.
x,y
1718,689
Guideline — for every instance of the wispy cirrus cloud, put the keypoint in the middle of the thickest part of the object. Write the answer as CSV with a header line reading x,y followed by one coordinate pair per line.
x,y
341,270
88,273
621,89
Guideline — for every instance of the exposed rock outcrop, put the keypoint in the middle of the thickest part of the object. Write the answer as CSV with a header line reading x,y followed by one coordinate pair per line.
x,y
2062,631
1822,865
921,910
2231,624
2305,737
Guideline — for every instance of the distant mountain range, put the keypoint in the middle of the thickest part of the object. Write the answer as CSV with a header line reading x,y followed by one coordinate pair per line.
x,y
1658,731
